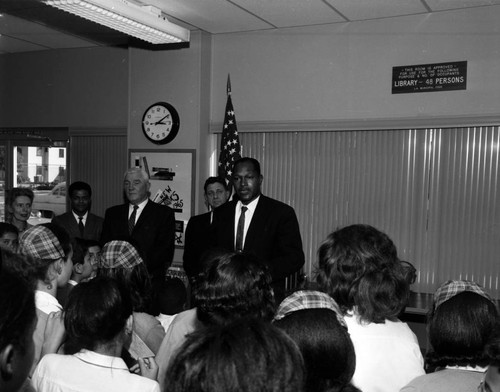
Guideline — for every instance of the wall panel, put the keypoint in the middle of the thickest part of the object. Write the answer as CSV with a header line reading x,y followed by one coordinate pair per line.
x,y
100,160
433,191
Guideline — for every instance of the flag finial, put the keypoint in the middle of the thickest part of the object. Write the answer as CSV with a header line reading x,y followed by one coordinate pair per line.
x,y
228,85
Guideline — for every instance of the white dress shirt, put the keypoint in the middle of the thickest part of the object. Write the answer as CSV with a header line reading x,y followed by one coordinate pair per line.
x,y
387,355
248,217
88,371
77,217
140,208
46,302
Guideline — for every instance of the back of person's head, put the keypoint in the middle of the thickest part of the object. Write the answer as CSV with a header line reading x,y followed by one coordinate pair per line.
x,y
347,254
121,260
172,296
17,322
325,345
460,325
80,248
380,294
62,236
234,286
250,356
24,266
49,247
96,313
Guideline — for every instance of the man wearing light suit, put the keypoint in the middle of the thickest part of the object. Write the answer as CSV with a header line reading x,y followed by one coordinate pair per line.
x,y
80,222
148,225
269,228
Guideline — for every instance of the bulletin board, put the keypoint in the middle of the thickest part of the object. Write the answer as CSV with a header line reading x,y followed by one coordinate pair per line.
x,y
172,177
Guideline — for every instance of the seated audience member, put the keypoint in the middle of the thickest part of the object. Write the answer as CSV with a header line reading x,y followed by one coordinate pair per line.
x,y
50,263
315,323
234,286
17,323
84,266
461,322
98,321
18,203
121,260
172,297
359,268
9,237
249,355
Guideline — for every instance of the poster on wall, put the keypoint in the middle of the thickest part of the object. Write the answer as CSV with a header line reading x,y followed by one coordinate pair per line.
x,y
172,177
429,77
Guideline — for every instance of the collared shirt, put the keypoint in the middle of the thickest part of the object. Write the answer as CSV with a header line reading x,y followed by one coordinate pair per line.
x,y
88,371
77,217
139,209
46,302
248,217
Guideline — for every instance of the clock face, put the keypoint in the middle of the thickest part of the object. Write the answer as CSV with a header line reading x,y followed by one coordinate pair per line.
x,y
160,123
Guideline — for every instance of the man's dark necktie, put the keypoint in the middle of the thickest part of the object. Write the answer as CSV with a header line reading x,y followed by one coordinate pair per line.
x,y
240,230
81,226
131,220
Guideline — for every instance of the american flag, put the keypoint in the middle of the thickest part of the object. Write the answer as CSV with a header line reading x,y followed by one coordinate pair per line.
x,y
230,148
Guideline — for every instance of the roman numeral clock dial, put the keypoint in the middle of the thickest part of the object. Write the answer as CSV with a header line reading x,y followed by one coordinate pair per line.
x,y
160,123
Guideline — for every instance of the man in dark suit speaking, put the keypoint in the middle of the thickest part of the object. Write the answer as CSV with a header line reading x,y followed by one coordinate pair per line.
x,y
149,225
259,225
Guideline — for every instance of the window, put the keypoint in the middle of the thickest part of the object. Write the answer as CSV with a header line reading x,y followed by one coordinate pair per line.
x,y
61,153
433,191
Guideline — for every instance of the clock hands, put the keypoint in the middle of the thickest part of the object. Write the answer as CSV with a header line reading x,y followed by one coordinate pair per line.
x,y
160,121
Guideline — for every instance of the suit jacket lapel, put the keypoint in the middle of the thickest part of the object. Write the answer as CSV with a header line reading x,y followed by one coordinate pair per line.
x,y
143,217
257,224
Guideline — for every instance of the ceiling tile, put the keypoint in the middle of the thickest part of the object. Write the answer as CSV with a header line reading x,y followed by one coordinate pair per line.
x,y
214,16
38,34
13,45
288,13
375,9
442,5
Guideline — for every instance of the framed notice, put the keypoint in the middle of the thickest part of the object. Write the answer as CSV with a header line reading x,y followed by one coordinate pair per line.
x,y
172,177
429,77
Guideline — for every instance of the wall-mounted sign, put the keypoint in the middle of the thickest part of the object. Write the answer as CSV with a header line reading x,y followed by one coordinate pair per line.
x,y
429,77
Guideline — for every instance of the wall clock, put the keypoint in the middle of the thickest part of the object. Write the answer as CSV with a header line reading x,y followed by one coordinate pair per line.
x,y
160,123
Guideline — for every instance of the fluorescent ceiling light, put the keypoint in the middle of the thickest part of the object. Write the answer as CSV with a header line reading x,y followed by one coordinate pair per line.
x,y
141,21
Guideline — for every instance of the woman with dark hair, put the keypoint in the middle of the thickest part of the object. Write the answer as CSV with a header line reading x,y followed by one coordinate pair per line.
x,y
121,260
461,323
50,264
98,321
314,322
234,286
359,268
248,355
17,323
18,204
